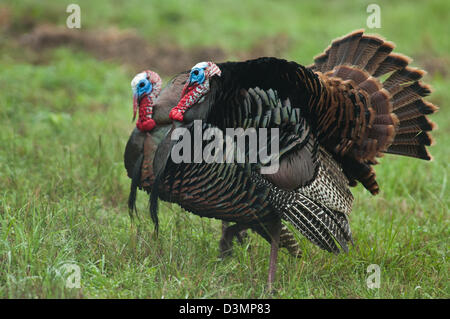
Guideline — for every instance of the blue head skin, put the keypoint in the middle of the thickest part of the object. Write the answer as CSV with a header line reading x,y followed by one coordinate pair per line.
x,y
141,86
197,75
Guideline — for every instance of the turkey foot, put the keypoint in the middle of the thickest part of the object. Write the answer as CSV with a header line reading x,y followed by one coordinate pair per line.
x,y
228,234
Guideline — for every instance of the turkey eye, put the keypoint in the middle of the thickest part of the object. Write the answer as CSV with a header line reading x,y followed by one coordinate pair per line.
x,y
195,72
142,84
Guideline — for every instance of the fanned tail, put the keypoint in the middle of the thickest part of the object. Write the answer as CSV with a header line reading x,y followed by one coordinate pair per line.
x,y
395,111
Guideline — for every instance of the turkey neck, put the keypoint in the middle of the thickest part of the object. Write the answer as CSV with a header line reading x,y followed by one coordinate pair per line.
x,y
168,98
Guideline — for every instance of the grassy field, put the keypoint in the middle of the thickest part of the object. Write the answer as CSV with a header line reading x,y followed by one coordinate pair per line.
x,y
65,113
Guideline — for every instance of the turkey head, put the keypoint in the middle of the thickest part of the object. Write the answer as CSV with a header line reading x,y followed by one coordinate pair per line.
x,y
195,89
146,87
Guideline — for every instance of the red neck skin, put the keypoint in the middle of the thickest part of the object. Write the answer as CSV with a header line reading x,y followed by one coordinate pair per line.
x,y
190,96
145,122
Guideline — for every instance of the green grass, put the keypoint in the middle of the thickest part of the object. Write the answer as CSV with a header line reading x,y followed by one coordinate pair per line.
x,y
63,188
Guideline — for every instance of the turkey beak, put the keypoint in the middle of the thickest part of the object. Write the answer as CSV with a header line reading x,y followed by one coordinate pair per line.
x,y
136,101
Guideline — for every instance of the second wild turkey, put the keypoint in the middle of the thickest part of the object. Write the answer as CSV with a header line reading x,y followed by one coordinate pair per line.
x,y
335,117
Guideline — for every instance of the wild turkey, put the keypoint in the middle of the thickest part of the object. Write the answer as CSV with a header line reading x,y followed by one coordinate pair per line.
x,y
151,127
146,88
335,118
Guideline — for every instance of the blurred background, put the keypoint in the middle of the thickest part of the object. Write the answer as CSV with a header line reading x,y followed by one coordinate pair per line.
x,y
65,116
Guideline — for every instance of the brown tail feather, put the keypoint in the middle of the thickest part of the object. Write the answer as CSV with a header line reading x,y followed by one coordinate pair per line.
x,y
422,138
410,94
320,62
417,124
371,85
367,48
383,134
417,151
415,109
405,75
348,46
393,61
383,51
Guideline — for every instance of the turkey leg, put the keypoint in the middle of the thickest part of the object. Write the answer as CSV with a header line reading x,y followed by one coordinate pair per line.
x,y
275,244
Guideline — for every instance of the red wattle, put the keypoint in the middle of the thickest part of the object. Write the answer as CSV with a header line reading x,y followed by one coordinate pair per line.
x,y
177,113
145,121
146,125
174,115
